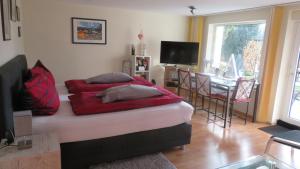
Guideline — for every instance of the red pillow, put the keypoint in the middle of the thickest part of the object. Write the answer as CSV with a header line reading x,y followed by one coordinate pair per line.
x,y
45,99
39,64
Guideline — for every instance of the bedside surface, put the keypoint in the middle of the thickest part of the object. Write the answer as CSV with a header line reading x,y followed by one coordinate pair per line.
x,y
44,154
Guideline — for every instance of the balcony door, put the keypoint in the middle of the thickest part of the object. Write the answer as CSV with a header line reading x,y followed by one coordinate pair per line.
x,y
291,113
294,113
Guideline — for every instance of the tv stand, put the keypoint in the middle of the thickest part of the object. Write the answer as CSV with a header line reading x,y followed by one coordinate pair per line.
x,y
171,78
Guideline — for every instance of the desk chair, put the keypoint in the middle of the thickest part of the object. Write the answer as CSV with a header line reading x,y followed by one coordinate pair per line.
x,y
203,90
185,83
241,94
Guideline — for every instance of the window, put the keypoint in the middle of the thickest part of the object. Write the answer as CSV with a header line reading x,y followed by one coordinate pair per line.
x,y
234,50
295,101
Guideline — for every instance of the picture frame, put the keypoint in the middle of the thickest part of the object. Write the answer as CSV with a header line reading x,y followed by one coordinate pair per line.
x,y
18,14
13,10
19,31
89,31
5,19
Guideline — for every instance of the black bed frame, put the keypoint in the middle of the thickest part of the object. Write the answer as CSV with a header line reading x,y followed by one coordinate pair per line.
x,y
82,154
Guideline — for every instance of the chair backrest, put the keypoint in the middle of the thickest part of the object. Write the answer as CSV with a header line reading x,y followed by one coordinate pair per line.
x,y
243,89
184,78
203,84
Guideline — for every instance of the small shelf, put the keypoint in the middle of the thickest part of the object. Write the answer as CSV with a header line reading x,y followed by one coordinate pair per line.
x,y
141,66
139,56
141,71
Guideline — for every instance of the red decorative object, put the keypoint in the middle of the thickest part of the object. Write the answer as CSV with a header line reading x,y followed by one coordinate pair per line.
x,y
141,36
47,72
43,93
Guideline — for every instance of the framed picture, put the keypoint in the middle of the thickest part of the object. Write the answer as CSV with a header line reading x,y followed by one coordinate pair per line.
x,y
18,14
5,17
88,31
13,10
19,31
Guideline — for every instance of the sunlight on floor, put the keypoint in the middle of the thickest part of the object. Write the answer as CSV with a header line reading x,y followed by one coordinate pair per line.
x,y
213,146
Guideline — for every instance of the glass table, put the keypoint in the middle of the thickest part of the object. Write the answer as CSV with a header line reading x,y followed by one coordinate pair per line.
x,y
258,162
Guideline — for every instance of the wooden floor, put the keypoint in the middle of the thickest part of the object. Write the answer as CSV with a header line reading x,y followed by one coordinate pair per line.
x,y
212,146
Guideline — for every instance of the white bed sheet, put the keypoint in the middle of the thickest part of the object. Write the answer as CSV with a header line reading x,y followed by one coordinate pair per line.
x,y
72,128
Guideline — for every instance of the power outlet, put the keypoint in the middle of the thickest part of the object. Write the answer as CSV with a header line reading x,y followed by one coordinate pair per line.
x,y
4,141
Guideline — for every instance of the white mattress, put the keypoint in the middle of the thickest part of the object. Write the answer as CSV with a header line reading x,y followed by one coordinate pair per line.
x,y
71,128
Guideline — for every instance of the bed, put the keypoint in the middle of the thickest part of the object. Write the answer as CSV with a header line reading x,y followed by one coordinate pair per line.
x,y
77,86
92,139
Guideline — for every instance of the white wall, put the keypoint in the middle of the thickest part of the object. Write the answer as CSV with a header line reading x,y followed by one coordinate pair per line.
x,y
47,30
13,47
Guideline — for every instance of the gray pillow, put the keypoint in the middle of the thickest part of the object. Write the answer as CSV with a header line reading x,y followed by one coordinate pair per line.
x,y
116,77
128,92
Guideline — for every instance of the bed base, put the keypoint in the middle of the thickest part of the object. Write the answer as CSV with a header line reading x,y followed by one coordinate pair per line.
x,y
80,155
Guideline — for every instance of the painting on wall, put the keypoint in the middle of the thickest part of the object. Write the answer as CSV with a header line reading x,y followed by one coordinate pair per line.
x,y
88,31
13,10
5,17
19,32
18,14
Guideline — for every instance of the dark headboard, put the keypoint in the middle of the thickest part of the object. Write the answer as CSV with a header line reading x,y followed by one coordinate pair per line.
x,y
12,76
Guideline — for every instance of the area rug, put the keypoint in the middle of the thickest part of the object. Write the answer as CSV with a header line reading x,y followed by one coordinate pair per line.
x,y
279,128
274,130
155,161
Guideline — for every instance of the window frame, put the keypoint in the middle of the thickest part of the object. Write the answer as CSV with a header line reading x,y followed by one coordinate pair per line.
x,y
211,39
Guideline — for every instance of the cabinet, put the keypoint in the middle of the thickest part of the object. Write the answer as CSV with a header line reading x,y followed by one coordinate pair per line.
x,y
141,66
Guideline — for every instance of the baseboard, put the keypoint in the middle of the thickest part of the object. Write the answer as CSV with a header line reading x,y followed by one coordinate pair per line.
x,y
242,114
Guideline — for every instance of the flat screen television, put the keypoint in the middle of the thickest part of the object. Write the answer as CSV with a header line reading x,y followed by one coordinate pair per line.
x,y
184,53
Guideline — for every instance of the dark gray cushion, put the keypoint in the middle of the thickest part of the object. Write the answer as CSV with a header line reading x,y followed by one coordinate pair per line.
x,y
12,77
128,92
116,77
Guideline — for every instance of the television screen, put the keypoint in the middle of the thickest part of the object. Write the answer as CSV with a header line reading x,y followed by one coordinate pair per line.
x,y
185,53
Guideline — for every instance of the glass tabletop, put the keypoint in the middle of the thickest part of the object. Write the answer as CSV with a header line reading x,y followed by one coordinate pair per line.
x,y
220,80
223,81
228,82
258,162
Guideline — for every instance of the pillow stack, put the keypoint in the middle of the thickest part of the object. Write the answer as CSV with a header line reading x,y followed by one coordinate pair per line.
x,y
116,77
128,92
41,88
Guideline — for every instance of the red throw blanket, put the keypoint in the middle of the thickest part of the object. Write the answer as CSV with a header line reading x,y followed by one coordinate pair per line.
x,y
77,86
87,103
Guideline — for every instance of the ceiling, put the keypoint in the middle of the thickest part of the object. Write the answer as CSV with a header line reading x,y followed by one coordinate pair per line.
x,y
204,7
